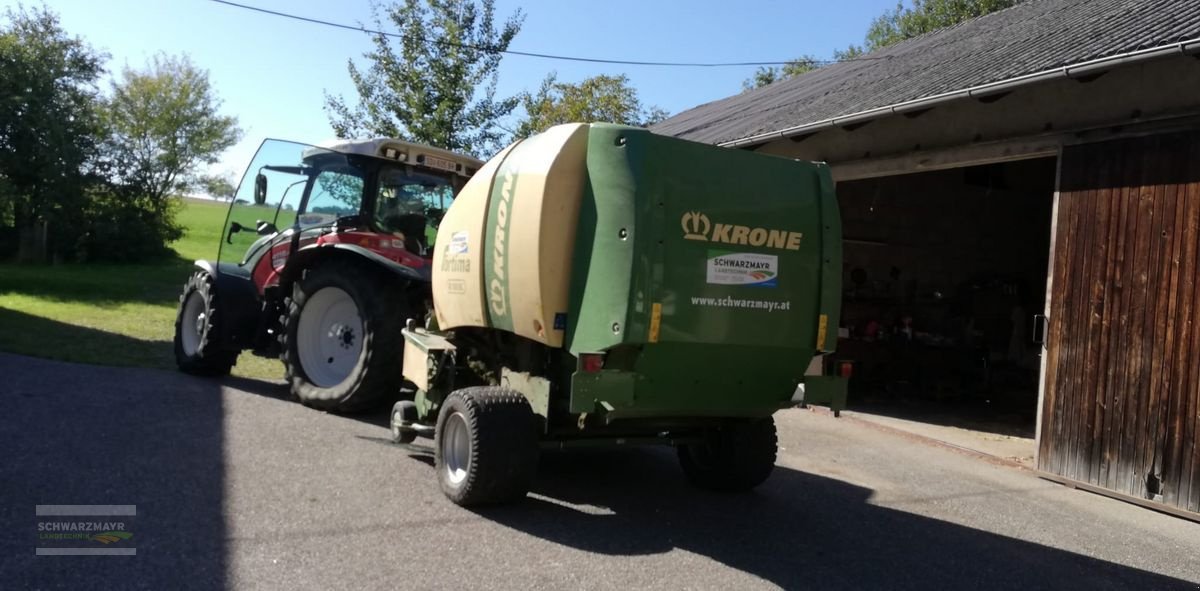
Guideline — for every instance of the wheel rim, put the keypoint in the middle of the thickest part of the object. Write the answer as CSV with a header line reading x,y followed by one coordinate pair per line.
x,y
193,323
329,337
456,448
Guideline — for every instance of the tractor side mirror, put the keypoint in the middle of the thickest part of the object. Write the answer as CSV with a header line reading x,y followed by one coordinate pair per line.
x,y
264,228
234,228
260,189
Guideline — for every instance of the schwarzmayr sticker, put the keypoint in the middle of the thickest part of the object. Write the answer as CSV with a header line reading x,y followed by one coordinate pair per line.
x,y
742,268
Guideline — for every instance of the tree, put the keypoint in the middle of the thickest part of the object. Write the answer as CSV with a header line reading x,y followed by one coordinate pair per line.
x,y
600,98
770,74
216,186
437,83
891,27
165,123
49,126
926,16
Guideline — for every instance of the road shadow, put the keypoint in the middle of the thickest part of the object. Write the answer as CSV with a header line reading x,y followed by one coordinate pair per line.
x,y
90,435
797,531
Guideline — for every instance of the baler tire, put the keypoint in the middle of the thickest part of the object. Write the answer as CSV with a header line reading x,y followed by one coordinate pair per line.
x,y
495,434
735,457
376,375
208,357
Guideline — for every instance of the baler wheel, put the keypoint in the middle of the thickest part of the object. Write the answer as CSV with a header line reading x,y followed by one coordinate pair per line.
x,y
737,456
485,446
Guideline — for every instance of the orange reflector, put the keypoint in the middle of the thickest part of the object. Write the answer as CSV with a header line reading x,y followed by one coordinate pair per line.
x,y
846,369
592,362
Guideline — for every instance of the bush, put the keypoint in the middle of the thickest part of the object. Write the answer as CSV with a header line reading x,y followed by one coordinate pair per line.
x,y
119,229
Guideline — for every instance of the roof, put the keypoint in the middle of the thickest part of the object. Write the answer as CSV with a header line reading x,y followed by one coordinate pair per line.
x,y
1037,36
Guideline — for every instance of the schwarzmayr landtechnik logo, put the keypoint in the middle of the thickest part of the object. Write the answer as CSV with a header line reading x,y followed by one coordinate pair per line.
x,y
80,530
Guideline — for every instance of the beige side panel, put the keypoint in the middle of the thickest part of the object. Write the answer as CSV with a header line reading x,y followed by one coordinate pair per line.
x,y
545,211
458,294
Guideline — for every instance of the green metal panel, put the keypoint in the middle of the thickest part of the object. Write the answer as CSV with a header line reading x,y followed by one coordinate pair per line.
x,y
718,263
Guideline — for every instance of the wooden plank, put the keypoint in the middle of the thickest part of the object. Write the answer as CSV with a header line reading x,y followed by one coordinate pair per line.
x,y
1089,323
1176,382
1104,390
1136,365
1164,287
1190,479
1122,199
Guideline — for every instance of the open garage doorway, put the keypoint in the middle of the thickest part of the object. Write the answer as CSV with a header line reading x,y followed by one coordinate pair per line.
x,y
943,275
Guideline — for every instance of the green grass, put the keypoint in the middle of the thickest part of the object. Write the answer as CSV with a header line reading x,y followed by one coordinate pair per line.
x,y
112,314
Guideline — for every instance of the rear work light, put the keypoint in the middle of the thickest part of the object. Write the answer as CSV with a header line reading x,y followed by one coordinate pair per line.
x,y
591,362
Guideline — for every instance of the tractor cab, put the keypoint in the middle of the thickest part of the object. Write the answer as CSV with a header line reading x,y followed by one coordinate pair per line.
x,y
395,190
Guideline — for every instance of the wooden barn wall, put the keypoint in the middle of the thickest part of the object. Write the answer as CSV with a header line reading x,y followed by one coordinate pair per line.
x,y
1122,394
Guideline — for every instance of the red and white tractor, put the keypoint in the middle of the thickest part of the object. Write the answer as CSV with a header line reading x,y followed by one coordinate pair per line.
x,y
325,253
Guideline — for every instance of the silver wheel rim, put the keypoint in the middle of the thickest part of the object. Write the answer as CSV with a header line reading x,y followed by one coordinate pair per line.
x,y
396,418
193,324
329,337
456,448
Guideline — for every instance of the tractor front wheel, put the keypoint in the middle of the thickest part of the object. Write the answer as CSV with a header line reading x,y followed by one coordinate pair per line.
x,y
197,332
342,342
736,456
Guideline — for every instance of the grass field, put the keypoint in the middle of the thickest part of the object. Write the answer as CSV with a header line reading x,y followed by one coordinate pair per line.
x,y
112,314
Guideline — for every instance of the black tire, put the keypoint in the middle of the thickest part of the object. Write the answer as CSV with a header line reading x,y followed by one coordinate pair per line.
x,y
376,376
403,411
203,355
503,446
737,456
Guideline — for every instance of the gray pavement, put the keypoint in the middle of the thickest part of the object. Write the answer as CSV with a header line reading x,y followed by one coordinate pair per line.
x,y
238,487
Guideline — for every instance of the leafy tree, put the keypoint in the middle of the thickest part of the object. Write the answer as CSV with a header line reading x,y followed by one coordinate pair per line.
x,y
436,83
48,126
600,98
769,74
166,123
926,16
216,186
891,27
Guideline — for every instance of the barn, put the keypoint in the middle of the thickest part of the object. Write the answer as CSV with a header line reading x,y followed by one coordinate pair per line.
x,y
1021,204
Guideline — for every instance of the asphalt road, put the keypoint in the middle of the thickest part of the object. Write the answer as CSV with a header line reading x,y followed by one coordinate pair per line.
x,y
237,487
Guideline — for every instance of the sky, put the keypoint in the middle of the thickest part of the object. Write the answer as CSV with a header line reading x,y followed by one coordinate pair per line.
x,y
272,73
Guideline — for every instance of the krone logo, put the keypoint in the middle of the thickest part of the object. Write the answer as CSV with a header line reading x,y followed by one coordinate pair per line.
x,y
695,225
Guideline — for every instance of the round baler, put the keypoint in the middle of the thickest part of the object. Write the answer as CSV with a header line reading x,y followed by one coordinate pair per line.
x,y
601,285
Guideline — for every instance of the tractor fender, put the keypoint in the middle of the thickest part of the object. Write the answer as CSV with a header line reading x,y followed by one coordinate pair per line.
x,y
307,256
237,303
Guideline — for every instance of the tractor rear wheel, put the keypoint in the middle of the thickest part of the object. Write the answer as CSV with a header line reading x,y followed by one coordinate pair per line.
x,y
197,344
485,446
737,456
341,339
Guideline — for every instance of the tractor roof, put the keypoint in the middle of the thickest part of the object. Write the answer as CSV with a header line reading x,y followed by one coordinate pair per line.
x,y
409,153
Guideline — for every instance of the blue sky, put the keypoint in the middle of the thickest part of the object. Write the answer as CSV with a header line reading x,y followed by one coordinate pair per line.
x,y
272,73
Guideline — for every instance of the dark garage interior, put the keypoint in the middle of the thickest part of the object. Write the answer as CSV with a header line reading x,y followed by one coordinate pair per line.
x,y
943,275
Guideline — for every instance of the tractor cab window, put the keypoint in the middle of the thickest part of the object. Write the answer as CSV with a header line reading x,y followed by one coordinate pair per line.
x,y
411,203
336,192
266,199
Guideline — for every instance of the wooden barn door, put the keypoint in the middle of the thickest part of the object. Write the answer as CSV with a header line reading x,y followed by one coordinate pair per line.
x,y
1120,404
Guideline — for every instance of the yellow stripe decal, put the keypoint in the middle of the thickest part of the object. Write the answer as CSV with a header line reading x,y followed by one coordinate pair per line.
x,y
655,321
822,328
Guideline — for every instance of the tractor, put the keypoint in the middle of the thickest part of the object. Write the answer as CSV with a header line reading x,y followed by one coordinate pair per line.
x,y
324,254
